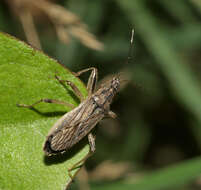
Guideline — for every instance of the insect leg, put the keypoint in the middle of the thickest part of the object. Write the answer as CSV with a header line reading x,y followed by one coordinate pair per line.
x,y
91,84
47,101
91,140
92,144
112,114
72,85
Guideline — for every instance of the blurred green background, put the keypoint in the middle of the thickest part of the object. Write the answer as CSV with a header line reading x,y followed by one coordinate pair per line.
x,y
156,141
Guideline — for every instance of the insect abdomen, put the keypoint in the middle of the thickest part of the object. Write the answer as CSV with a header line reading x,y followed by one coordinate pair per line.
x,y
72,127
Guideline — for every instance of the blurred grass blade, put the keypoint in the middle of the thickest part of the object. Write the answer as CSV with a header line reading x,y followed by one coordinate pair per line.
x,y
170,177
27,75
180,77
179,10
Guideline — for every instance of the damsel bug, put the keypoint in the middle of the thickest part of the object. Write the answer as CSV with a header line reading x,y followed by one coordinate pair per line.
x,y
78,123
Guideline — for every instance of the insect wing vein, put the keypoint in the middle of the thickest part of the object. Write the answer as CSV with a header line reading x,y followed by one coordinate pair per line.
x,y
85,127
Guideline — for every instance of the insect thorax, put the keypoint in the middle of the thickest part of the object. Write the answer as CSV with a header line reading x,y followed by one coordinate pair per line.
x,y
104,95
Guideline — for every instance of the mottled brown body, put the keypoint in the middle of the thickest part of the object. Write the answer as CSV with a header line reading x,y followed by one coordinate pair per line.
x,y
76,124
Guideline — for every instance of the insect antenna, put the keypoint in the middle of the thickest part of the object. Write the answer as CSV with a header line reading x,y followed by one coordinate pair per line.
x,y
131,47
123,75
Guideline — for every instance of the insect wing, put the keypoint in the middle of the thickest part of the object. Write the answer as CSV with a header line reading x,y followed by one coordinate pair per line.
x,y
60,135
67,137
85,127
72,128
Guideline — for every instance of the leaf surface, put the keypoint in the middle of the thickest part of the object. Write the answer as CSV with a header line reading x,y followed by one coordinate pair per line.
x,y
26,76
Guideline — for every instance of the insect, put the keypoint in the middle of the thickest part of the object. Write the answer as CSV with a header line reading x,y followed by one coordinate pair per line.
x,y
78,123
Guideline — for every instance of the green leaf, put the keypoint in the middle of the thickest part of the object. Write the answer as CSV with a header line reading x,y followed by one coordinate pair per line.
x,y
27,75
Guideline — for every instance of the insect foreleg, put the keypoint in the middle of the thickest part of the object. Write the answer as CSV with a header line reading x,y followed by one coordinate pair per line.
x,y
48,101
73,86
91,140
91,84
112,114
92,144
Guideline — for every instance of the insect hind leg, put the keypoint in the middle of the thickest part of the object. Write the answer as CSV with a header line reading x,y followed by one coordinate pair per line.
x,y
46,100
91,140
